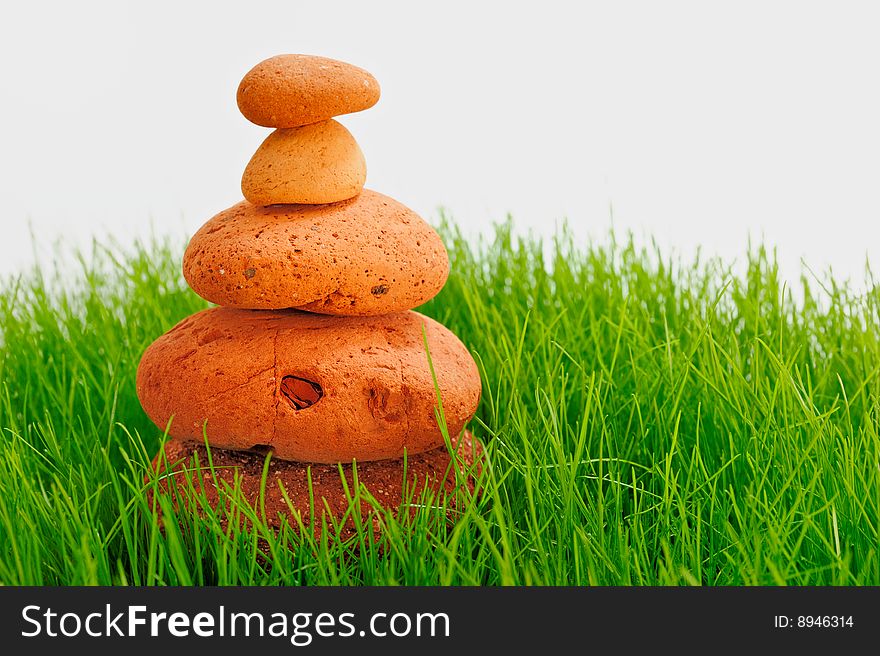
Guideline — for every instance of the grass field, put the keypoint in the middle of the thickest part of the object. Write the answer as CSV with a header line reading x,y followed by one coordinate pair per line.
x,y
647,421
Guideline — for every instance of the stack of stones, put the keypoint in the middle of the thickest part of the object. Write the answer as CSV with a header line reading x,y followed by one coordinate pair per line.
x,y
314,354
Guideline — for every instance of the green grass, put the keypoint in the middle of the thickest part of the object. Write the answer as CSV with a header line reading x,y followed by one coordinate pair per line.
x,y
647,421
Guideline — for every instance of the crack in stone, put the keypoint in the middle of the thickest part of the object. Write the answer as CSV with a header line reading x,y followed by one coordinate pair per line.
x,y
402,391
277,387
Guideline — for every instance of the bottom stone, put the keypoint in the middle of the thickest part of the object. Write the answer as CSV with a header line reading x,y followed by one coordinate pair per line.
x,y
384,479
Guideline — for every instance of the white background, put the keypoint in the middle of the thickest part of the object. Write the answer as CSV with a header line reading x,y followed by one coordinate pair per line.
x,y
699,123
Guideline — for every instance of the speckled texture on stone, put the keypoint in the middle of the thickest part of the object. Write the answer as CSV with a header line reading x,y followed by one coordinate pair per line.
x,y
317,163
287,91
384,479
362,384
365,256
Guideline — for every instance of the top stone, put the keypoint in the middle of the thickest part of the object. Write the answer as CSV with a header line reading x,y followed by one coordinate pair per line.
x,y
287,91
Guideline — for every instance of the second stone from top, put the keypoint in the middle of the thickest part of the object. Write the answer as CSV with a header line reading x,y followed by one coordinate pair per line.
x,y
312,164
